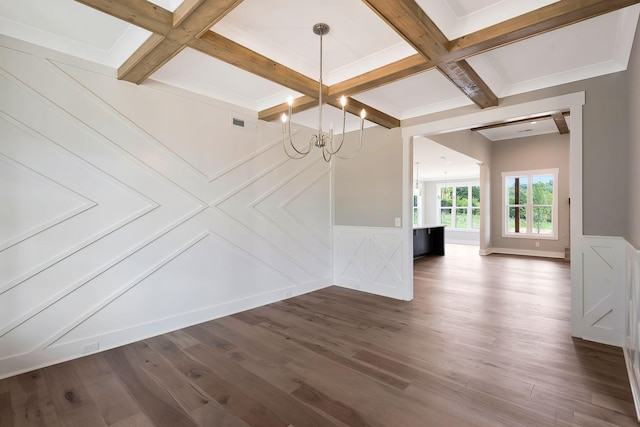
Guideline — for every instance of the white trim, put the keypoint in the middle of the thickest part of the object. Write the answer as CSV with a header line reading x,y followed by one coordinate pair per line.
x,y
573,101
407,214
529,206
366,259
631,348
523,252
457,184
633,382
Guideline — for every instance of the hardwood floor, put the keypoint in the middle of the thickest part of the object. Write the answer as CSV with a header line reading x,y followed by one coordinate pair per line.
x,y
485,342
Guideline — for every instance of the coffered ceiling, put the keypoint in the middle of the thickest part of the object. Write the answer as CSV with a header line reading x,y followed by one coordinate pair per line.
x,y
399,59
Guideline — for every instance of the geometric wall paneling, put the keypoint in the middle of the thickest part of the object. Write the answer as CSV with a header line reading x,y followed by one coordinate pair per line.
x,y
140,233
369,259
602,303
300,207
31,203
230,274
282,250
351,257
311,209
215,144
61,259
386,255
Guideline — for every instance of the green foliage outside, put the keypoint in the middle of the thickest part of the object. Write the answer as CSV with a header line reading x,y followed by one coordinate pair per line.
x,y
542,201
462,204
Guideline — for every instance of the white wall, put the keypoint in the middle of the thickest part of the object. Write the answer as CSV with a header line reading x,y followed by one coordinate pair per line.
x,y
128,211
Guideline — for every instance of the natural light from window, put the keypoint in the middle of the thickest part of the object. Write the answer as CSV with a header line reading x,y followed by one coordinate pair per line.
x,y
530,207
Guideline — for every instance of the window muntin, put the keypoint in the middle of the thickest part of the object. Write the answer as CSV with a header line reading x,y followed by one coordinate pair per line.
x,y
459,206
530,204
416,209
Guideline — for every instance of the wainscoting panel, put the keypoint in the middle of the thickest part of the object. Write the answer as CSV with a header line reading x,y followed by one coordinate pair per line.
x,y
369,259
602,306
632,330
128,211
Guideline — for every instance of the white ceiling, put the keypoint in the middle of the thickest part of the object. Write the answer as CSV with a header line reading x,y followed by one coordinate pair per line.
x,y
432,162
359,41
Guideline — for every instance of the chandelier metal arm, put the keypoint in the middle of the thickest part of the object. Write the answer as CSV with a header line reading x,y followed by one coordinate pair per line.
x,y
351,156
320,140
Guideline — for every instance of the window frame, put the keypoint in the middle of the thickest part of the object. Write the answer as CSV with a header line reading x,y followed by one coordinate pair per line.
x,y
530,174
469,208
417,207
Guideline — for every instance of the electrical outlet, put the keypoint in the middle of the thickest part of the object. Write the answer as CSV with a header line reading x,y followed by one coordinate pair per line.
x,y
91,348
398,222
287,294
537,244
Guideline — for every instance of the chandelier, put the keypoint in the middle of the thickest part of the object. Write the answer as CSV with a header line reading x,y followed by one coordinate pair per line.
x,y
322,140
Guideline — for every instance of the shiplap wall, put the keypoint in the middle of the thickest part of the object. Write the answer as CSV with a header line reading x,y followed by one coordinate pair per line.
x,y
127,211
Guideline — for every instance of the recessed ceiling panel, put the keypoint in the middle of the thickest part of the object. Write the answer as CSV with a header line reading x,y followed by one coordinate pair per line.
x,y
71,28
282,30
195,72
414,96
521,130
587,49
455,18
331,117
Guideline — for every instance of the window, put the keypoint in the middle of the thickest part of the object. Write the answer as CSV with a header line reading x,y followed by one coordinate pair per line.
x,y
459,206
530,200
417,211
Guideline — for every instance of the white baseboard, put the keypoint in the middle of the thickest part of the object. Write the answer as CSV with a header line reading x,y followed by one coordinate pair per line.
x,y
462,242
522,252
64,352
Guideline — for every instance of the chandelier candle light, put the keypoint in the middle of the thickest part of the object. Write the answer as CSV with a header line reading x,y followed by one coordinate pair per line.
x,y
321,140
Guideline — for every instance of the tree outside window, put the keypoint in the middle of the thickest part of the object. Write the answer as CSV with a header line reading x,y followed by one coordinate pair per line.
x,y
456,209
530,203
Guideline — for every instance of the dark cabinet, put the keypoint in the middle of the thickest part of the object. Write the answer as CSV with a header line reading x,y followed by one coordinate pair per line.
x,y
428,241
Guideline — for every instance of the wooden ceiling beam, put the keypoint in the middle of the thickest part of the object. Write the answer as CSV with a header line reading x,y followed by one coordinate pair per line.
x,y
525,120
412,24
189,24
140,13
226,50
390,73
373,115
561,123
353,106
190,20
536,22
300,104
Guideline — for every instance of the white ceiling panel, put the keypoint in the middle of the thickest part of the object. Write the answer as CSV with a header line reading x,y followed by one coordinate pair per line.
x,y
587,49
534,127
435,160
192,71
72,28
456,18
282,30
414,96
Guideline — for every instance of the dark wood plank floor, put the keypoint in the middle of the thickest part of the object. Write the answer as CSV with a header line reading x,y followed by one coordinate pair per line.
x,y
485,342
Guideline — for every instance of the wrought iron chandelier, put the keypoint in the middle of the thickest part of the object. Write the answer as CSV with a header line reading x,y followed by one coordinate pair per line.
x,y
321,140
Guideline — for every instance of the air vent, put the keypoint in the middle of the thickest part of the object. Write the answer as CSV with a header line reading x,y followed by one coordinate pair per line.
x,y
245,123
